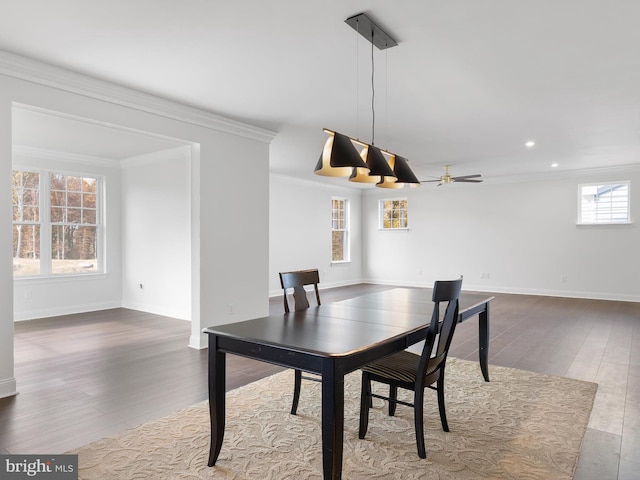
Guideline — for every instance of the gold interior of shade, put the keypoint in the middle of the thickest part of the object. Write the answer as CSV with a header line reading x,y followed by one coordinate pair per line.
x,y
324,163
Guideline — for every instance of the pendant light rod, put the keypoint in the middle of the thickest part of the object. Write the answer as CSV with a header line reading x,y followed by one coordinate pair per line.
x,y
373,97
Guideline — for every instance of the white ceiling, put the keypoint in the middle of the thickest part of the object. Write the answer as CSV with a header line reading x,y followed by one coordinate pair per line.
x,y
468,84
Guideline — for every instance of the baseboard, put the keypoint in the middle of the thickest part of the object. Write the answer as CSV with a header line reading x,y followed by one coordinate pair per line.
x,y
8,387
179,314
66,310
198,342
612,296
324,286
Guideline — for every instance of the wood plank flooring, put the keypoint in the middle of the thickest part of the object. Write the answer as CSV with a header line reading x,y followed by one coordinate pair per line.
x,y
82,377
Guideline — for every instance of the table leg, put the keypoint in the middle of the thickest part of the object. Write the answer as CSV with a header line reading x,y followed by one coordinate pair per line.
x,y
484,341
332,422
217,372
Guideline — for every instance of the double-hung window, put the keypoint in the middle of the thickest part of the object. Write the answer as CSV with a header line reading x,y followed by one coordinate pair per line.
x,y
603,203
56,223
339,230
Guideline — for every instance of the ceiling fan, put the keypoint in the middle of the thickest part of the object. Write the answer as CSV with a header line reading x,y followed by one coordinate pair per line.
x,y
447,178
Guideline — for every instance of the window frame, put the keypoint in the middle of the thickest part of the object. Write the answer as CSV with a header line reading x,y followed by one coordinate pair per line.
x,y
581,211
346,230
382,210
46,225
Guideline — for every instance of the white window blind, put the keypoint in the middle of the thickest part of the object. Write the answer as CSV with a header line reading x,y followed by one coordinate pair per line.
x,y
604,203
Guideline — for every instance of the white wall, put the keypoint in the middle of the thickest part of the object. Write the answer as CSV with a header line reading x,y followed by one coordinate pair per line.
x,y
300,231
156,233
523,235
37,298
228,153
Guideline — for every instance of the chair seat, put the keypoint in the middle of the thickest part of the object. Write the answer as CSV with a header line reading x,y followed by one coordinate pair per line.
x,y
401,366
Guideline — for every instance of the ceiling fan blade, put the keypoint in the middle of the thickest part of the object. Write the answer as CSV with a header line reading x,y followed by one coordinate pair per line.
x,y
426,181
467,180
466,176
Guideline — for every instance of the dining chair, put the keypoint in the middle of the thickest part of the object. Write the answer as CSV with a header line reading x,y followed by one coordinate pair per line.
x,y
415,372
297,281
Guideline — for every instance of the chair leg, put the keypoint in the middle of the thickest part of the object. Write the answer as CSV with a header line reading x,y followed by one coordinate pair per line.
x,y
365,404
443,413
297,383
418,418
393,396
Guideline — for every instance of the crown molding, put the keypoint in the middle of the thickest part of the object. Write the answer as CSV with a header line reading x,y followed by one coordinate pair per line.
x,y
24,68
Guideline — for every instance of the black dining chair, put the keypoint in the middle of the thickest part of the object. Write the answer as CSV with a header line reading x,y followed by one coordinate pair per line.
x,y
416,372
297,281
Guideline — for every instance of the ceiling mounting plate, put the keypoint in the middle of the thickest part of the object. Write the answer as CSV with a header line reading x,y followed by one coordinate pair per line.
x,y
372,32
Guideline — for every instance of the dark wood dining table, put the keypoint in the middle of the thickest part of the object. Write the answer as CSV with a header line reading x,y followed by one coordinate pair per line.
x,y
332,340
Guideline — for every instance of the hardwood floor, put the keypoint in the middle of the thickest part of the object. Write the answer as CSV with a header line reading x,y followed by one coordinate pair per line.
x,y
82,377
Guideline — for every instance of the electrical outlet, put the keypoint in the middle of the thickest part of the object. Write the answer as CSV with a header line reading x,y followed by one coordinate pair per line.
x,y
563,278
485,275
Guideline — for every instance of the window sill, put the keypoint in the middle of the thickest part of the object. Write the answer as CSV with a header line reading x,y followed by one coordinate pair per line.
x,y
59,278
612,224
343,262
394,229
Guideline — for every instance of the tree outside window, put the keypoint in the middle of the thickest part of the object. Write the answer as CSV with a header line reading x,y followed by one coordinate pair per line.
x,y
339,230
26,223
63,209
394,214
73,224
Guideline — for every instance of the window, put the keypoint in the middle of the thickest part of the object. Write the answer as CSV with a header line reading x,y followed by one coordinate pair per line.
x,y
339,230
394,214
56,224
26,223
603,203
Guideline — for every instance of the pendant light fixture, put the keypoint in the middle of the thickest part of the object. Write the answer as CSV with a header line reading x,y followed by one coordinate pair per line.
x,y
373,165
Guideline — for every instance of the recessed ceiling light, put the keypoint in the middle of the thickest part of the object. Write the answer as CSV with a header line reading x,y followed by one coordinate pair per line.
x,y
554,165
530,144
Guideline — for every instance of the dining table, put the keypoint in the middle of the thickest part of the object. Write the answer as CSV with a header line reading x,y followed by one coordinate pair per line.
x,y
332,340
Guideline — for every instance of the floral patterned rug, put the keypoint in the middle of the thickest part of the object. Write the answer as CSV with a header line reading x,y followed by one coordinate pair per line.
x,y
521,425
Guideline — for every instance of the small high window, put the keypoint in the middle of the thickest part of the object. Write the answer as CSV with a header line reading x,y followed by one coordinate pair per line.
x,y
603,203
394,214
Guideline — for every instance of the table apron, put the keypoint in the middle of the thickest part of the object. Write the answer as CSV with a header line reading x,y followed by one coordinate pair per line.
x,y
310,361
472,311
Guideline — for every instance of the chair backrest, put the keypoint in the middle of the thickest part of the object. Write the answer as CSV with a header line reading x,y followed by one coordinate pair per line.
x,y
297,280
440,333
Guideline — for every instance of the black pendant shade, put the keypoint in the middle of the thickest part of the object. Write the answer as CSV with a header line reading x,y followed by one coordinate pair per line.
x,y
403,173
379,169
339,157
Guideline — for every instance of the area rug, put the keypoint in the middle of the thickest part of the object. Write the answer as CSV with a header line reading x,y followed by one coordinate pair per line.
x,y
520,426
